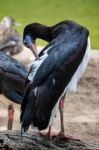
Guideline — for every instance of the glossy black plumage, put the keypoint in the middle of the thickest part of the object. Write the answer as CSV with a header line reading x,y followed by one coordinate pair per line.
x,y
13,76
65,51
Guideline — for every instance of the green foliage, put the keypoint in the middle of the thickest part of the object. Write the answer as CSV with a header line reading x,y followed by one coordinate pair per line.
x,y
85,12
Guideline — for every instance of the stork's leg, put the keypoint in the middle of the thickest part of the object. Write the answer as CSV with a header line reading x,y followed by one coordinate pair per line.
x,y
48,134
51,134
10,116
61,109
62,135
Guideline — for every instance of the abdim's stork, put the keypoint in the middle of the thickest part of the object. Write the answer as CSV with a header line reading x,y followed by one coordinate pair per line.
x,y
13,76
56,69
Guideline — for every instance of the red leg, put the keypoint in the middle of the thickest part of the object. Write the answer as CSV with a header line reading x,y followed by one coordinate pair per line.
x,y
47,134
61,134
10,116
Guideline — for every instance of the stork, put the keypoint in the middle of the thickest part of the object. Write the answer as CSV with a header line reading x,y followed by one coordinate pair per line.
x,y
56,70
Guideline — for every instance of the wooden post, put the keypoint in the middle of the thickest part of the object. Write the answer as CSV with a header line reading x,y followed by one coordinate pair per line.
x,y
10,116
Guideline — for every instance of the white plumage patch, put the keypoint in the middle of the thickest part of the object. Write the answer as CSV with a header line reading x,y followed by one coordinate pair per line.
x,y
37,63
73,83
53,82
35,91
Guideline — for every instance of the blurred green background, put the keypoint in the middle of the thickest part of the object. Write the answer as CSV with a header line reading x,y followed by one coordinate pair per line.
x,y
85,12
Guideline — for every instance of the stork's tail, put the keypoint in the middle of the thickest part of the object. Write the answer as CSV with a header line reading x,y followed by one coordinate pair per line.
x,y
27,108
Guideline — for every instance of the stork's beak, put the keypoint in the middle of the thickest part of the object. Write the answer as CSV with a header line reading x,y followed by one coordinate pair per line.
x,y
34,49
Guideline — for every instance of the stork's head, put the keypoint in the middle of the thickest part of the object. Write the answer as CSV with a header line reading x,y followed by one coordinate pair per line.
x,y
29,40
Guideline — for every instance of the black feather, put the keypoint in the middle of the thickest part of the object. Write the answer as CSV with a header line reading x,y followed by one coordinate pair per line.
x,y
13,76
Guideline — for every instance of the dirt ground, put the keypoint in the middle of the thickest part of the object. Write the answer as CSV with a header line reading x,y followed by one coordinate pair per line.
x,y
81,113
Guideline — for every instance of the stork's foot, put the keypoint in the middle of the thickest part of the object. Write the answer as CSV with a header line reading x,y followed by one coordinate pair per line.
x,y
62,136
59,135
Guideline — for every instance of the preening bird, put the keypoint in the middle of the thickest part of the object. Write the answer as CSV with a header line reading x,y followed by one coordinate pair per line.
x,y
56,70
10,40
13,76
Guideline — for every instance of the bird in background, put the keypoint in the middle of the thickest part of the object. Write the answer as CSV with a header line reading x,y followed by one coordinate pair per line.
x,y
10,40
55,70
13,76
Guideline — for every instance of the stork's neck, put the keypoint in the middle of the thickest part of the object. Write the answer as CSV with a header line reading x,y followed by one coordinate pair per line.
x,y
40,31
48,33
36,30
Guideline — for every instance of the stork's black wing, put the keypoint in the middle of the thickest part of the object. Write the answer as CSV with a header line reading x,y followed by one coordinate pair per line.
x,y
60,54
